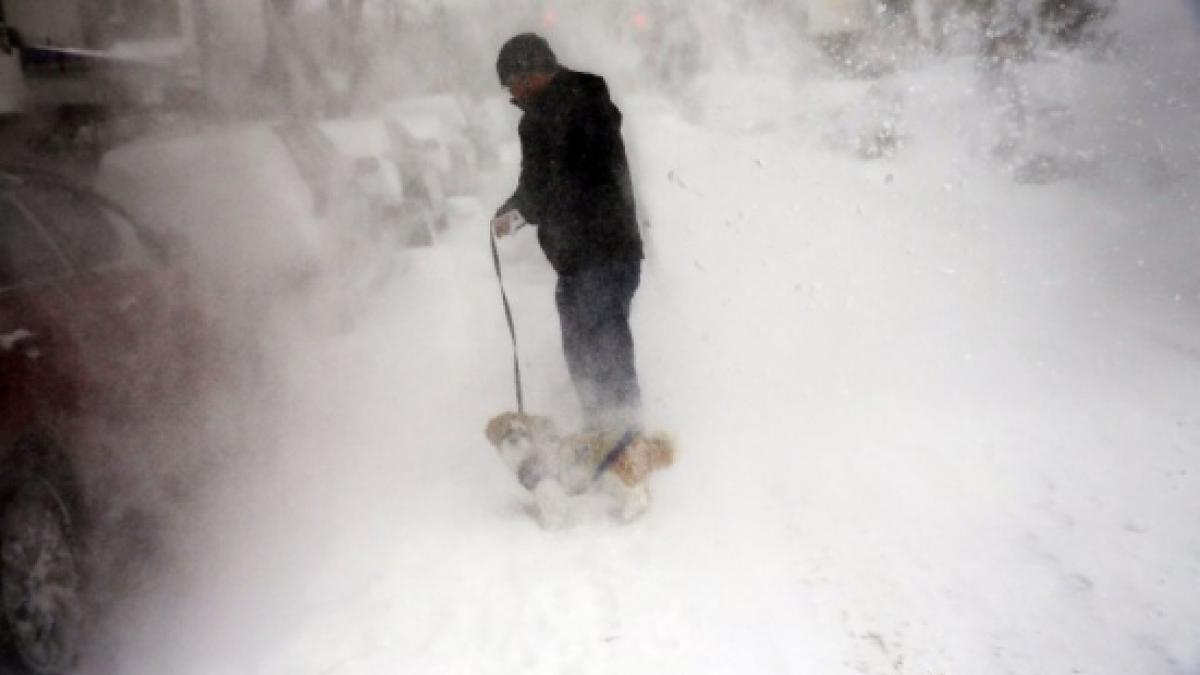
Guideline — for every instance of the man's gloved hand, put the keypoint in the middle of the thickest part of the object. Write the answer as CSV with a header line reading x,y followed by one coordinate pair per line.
x,y
507,222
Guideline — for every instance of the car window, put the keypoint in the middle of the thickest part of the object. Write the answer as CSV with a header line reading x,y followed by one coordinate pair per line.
x,y
26,256
83,229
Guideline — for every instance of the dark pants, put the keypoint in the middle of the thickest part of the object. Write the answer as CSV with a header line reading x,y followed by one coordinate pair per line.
x,y
593,308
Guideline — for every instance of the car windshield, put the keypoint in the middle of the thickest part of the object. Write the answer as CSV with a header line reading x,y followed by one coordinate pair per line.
x,y
26,254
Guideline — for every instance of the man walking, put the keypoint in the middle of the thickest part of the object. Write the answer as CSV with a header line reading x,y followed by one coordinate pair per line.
x,y
575,187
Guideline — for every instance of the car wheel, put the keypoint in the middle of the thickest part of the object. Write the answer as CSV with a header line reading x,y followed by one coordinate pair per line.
x,y
39,579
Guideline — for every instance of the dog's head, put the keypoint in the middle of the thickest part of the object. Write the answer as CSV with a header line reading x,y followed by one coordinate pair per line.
x,y
502,427
511,427
524,443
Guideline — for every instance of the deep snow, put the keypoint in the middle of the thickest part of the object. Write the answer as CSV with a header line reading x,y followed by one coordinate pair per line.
x,y
932,419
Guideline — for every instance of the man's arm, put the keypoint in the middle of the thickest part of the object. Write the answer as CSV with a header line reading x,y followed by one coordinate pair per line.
x,y
526,200
511,214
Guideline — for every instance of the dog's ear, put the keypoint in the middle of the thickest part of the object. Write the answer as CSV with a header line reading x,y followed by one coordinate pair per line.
x,y
498,428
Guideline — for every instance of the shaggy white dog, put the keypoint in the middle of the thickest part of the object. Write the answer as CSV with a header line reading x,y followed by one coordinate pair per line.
x,y
555,467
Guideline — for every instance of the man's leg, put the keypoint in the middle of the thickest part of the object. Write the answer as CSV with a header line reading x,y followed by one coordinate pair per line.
x,y
576,318
593,307
616,374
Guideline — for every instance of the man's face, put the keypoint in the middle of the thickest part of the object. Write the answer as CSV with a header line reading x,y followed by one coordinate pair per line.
x,y
525,86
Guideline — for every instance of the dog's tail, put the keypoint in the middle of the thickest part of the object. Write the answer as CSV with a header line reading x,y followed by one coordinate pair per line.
x,y
644,455
661,449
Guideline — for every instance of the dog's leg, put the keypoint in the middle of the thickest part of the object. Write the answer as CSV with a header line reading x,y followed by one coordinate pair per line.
x,y
551,504
637,500
632,500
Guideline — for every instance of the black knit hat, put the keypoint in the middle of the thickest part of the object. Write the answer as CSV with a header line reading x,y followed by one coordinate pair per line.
x,y
525,53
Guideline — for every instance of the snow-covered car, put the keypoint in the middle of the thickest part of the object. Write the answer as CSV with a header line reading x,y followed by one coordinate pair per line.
x,y
96,331
442,133
248,217
265,208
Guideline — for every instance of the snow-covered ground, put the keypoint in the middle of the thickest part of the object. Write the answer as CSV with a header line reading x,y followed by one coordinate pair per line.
x,y
933,419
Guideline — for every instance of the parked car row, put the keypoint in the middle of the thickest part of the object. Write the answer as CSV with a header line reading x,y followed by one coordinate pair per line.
x,y
107,318
97,328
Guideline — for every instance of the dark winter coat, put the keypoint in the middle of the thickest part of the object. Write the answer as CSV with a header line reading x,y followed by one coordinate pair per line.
x,y
575,183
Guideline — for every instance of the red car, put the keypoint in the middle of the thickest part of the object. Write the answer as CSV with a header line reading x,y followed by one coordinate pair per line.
x,y
97,331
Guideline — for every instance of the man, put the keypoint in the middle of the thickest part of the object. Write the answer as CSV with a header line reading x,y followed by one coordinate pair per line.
x,y
575,187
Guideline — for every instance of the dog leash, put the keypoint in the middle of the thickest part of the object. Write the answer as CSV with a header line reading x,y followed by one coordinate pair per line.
x,y
512,331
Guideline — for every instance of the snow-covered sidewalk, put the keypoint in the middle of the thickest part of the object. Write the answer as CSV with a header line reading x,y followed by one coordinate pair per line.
x,y
932,421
